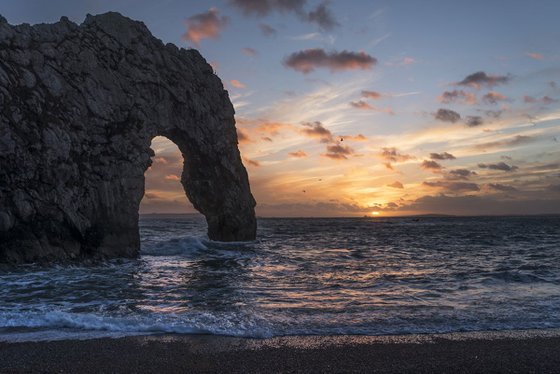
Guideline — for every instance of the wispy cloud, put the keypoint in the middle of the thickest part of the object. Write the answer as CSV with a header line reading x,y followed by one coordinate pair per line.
x,y
237,84
535,55
207,25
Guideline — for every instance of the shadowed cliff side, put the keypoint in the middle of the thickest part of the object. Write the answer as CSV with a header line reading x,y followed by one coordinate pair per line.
x,y
79,106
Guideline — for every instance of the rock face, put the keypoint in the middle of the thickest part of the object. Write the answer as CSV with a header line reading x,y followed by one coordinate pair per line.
x,y
79,106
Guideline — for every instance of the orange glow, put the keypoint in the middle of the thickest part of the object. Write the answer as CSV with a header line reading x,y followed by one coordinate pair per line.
x,y
375,213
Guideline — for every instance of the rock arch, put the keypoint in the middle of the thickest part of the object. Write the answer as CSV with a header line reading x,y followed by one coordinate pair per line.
x,y
79,106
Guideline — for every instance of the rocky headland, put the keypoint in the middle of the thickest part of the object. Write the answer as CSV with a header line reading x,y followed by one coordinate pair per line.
x,y
79,107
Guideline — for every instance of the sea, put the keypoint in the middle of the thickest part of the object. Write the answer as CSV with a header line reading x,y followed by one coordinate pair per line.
x,y
302,276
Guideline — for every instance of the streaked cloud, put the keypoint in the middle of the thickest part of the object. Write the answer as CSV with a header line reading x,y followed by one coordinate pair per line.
x,y
452,186
371,95
251,162
501,187
543,100
480,79
321,15
498,166
298,154
517,140
172,177
460,174
249,51
308,60
361,104
396,184
265,7
442,156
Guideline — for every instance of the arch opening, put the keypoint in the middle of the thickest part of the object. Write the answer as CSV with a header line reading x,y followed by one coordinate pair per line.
x,y
163,192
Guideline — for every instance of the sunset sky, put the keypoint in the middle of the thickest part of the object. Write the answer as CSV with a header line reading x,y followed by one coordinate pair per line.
x,y
345,108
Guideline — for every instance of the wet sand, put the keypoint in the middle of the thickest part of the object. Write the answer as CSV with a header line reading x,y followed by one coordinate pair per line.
x,y
530,351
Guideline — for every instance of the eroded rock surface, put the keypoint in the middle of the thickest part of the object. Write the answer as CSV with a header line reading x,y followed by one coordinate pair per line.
x,y
79,106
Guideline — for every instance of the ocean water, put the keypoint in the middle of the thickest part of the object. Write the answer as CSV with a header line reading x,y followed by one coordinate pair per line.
x,y
372,276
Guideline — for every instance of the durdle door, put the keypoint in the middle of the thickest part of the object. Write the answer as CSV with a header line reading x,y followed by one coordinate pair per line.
x,y
79,106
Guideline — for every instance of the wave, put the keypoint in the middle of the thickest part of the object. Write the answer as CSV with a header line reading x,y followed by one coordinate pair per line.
x,y
174,246
32,325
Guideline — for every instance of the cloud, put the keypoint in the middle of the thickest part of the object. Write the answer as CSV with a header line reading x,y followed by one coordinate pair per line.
x,y
356,138
152,195
308,60
172,177
501,187
544,100
371,95
360,104
267,30
494,113
298,154
493,97
447,115
272,128
460,174
207,25
442,156
323,17
242,136
317,130
337,151
480,78
459,96
252,162
535,56
237,84
513,142
482,205
161,160
265,7
430,165
408,61
249,51
396,184
499,166
473,121
393,155
453,186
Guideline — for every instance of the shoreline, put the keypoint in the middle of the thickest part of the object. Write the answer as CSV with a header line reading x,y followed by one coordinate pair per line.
x,y
510,351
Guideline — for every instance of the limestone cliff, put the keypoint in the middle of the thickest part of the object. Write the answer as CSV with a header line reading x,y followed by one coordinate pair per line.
x,y
79,106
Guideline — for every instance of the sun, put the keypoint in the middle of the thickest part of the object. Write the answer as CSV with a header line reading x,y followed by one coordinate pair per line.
x,y
375,213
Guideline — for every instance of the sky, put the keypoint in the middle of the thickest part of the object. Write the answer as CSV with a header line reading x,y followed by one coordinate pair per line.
x,y
352,108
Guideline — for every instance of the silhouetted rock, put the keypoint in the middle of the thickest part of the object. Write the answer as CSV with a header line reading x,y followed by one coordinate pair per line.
x,y
79,106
